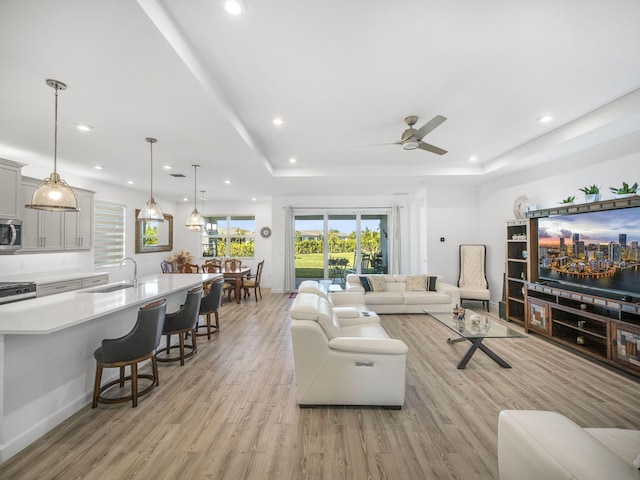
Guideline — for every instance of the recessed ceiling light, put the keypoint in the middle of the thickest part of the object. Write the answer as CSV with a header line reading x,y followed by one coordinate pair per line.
x,y
278,121
546,118
84,127
131,182
253,199
168,167
234,7
473,158
292,160
228,182
185,199
98,167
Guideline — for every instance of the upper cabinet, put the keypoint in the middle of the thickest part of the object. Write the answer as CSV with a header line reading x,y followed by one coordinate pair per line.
x,y
10,189
44,231
78,227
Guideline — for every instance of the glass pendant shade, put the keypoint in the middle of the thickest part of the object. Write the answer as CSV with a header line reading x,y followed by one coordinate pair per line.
x,y
195,222
151,210
54,194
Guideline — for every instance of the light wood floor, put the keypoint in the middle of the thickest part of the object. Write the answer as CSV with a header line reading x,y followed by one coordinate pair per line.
x,y
230,412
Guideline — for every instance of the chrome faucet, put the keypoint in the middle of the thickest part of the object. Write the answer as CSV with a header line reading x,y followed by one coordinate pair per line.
x,y
135,270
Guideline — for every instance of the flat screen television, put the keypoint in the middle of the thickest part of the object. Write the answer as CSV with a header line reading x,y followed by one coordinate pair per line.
x,y
592,251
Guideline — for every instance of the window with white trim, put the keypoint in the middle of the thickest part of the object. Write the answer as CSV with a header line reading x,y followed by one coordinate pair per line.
x,y
230,236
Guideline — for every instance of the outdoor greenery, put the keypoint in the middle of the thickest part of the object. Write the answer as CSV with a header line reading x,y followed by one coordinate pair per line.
x,y
150,237
369,243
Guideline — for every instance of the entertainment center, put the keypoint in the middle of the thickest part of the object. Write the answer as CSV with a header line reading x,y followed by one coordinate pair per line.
x,y
580,278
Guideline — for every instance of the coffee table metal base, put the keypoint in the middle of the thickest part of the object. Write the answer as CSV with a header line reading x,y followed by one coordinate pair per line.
x,y
476,344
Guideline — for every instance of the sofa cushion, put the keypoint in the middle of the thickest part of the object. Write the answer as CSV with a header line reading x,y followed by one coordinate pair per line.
x,y
327,320
428,298
431,283
400,287
364,281
346,312
384,298
305,307
378,283
365,330
416,283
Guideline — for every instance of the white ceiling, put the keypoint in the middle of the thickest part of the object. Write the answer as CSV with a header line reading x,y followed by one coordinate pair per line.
x,y
341,74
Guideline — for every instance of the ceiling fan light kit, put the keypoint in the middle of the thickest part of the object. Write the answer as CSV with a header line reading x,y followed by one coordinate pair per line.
x,y
412,139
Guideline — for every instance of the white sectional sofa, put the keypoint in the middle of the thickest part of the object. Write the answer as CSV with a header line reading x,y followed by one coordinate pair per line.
x,y
395,295
342,355
534,445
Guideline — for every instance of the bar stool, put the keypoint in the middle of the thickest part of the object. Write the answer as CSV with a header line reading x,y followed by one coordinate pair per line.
x,y
181,323
136,346
211,304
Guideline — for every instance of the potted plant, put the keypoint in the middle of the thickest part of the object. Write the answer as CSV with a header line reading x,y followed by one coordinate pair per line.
x,y
591,193
568,201
625,190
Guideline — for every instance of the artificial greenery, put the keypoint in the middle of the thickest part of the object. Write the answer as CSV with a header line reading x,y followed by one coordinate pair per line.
x,y
569,199
592,190
625,189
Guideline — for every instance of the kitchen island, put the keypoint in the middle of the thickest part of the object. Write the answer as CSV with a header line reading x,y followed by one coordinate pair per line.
x,y
47,345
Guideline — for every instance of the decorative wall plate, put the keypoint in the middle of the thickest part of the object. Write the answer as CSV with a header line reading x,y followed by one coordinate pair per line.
x,y
522,205
265,232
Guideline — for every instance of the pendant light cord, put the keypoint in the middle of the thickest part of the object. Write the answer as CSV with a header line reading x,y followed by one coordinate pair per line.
x,y
151,176
55,133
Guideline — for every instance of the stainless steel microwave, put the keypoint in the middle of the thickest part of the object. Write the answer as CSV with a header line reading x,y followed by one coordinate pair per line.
x,y
10,234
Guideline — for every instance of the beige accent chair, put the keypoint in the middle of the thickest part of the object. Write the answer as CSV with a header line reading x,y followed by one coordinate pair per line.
x,y
472,282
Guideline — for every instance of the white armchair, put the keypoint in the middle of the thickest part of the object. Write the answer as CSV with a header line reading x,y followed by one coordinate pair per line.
x,y
344,357
472,281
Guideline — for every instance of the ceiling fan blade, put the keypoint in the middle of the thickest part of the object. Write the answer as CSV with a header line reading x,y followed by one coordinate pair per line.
x,y
375,145
432,124
431,148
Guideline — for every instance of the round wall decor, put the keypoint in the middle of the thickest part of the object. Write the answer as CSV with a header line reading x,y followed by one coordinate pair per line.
x,y
265,232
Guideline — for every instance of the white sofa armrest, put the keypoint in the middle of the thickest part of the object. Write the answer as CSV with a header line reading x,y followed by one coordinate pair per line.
x,y
386,346
447,288
538,444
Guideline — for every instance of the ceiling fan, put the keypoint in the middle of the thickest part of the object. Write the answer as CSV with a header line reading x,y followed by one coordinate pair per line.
x,y
412,138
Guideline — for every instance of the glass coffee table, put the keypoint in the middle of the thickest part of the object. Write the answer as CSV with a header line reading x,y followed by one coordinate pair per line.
x,y
476,333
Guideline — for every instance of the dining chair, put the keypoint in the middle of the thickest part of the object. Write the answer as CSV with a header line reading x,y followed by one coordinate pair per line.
x,y
164,265
254,282
210,268
189,268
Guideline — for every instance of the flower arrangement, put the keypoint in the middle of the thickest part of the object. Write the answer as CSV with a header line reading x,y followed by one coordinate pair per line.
x,y
183,256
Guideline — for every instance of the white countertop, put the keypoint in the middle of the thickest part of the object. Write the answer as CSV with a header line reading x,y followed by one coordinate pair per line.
x,y
56,312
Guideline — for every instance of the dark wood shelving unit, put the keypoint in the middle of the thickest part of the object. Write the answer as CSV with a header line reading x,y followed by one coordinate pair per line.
x,y
603,328
518,266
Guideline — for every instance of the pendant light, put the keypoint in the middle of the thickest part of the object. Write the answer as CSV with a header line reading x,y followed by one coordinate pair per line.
x,y
53,193
195,222
151,210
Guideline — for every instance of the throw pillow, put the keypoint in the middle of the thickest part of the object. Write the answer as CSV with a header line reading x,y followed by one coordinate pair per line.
x,y
416,283
364,281
377,283
431,284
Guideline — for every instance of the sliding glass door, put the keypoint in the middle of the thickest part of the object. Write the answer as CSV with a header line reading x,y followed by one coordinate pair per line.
x,y
331,245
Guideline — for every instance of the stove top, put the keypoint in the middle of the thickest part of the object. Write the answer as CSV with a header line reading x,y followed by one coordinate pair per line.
x,y
14,291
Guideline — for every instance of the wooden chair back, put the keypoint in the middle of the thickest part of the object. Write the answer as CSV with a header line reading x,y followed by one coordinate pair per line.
x,y
189,268
232,264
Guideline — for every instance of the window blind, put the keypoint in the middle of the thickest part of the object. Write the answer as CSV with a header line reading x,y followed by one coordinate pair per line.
x,y
109,233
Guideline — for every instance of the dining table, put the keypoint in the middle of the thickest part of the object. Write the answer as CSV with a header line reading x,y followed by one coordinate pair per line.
x,y
236,274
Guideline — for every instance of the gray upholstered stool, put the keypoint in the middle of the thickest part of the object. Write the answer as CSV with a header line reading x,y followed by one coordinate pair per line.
x,y
136,346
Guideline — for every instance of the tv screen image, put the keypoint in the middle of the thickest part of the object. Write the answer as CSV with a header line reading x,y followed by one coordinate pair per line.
x,y
596,250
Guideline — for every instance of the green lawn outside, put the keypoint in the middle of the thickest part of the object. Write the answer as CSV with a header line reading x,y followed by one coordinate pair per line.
x,y
310,265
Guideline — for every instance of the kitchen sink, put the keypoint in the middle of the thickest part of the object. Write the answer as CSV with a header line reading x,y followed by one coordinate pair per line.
x,y
109,288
